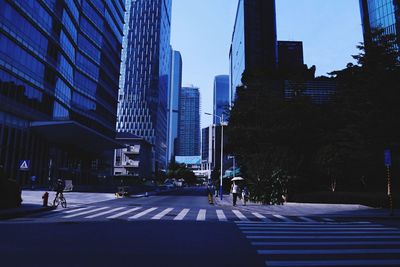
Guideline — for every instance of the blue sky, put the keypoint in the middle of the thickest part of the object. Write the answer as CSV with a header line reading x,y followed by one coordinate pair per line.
x,y
202,29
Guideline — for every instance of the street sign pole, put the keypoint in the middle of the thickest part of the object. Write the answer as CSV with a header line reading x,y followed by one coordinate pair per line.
x,y
388,164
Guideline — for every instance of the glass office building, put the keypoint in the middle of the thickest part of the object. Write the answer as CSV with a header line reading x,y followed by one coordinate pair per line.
x,y
254,43
189,122
59,71
221,97
380,13
173,102
143,97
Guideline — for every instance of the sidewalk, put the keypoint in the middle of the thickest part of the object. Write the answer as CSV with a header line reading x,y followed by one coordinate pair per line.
x,y
309,209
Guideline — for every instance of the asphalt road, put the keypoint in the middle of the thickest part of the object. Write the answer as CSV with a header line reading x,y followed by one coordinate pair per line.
x,y
180,228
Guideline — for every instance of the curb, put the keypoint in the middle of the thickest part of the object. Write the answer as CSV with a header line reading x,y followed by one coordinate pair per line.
x,y
22,213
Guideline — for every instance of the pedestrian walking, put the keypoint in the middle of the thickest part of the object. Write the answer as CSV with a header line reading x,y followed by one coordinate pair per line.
x,y
245,195
234,190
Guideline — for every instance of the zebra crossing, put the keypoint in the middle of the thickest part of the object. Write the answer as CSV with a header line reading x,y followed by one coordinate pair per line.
x,y
174,214
290,244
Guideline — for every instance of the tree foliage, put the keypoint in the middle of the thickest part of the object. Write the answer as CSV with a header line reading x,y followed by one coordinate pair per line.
x,y
289,145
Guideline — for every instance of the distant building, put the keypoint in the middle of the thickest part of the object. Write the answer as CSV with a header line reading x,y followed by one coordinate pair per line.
x,y
254,43
290,55
189,122
192,162
221,98
380,13
134,159
143,97
173,103
320,91
59,70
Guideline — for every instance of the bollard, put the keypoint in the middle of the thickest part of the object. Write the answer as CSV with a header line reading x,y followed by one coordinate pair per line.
x,y
45,198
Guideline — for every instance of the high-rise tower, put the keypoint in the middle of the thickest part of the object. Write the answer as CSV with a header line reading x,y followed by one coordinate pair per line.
x,y
221,97
380,13
254,43
189,122
143,97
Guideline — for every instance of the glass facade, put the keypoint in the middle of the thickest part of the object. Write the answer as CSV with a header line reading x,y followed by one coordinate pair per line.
x,y
254,43
173,102
380,13
59,60
290,55
221,97
143,98
189,122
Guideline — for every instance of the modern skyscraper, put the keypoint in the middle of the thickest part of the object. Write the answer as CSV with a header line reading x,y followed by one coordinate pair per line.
x,y
290,55
254,44
189,122
221,97
143,99
380,13
59,67
173,102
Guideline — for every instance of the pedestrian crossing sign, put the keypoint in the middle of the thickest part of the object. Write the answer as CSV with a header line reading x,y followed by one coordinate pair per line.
x,y
24,165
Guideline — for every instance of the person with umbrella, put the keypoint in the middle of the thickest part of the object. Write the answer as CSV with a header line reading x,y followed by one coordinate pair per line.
x,y
235,189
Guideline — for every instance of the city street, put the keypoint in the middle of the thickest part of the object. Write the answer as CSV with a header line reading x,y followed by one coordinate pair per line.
x,y
180,228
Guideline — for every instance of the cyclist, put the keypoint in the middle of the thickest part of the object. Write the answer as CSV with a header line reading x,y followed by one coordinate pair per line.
x,y
59,190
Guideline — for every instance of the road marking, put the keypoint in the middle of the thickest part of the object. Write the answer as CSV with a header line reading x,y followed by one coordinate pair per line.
x,y
76,210
316,229
327,263
328,251
343,232
122,213
261,217
103,213
162,214
331,243
181,215
85,212
285,219
321,237
327,219
202,215
306,219
304,224
221,216
240,215
140,214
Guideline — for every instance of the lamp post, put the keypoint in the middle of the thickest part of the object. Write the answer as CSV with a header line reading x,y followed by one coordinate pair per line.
x,y
221,118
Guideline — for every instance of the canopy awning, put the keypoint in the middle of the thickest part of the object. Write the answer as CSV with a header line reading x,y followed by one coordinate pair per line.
x,y
71,133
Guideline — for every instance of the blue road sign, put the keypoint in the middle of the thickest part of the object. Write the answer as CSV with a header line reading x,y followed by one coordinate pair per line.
x,y
388,158
24,165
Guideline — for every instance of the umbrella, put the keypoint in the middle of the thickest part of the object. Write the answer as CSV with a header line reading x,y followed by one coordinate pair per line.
x,y
237,179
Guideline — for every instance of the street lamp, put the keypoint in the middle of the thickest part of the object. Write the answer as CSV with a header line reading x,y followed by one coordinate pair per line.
x,y
221,118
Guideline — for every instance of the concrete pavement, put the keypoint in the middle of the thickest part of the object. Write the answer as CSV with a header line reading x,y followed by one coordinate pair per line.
x,y
310,209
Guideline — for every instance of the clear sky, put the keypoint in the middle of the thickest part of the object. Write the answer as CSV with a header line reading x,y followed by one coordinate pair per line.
x,y
202,29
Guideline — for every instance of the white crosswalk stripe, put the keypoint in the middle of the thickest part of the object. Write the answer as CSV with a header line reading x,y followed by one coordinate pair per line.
x,y
76,210
240,215
122,213
201,216
103,213
306,219
307,244
140,214
283,218
162,214
181,215
221,215
85,212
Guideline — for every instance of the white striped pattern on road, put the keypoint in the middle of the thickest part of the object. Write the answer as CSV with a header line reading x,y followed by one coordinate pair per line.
x,y
202,215
75,210
123,213
240,215
103,213
221,215
285,219
162,214
181,215
85,212
314,244
140,214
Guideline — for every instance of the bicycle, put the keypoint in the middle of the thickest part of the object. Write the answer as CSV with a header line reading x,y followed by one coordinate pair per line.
x,y
60,199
